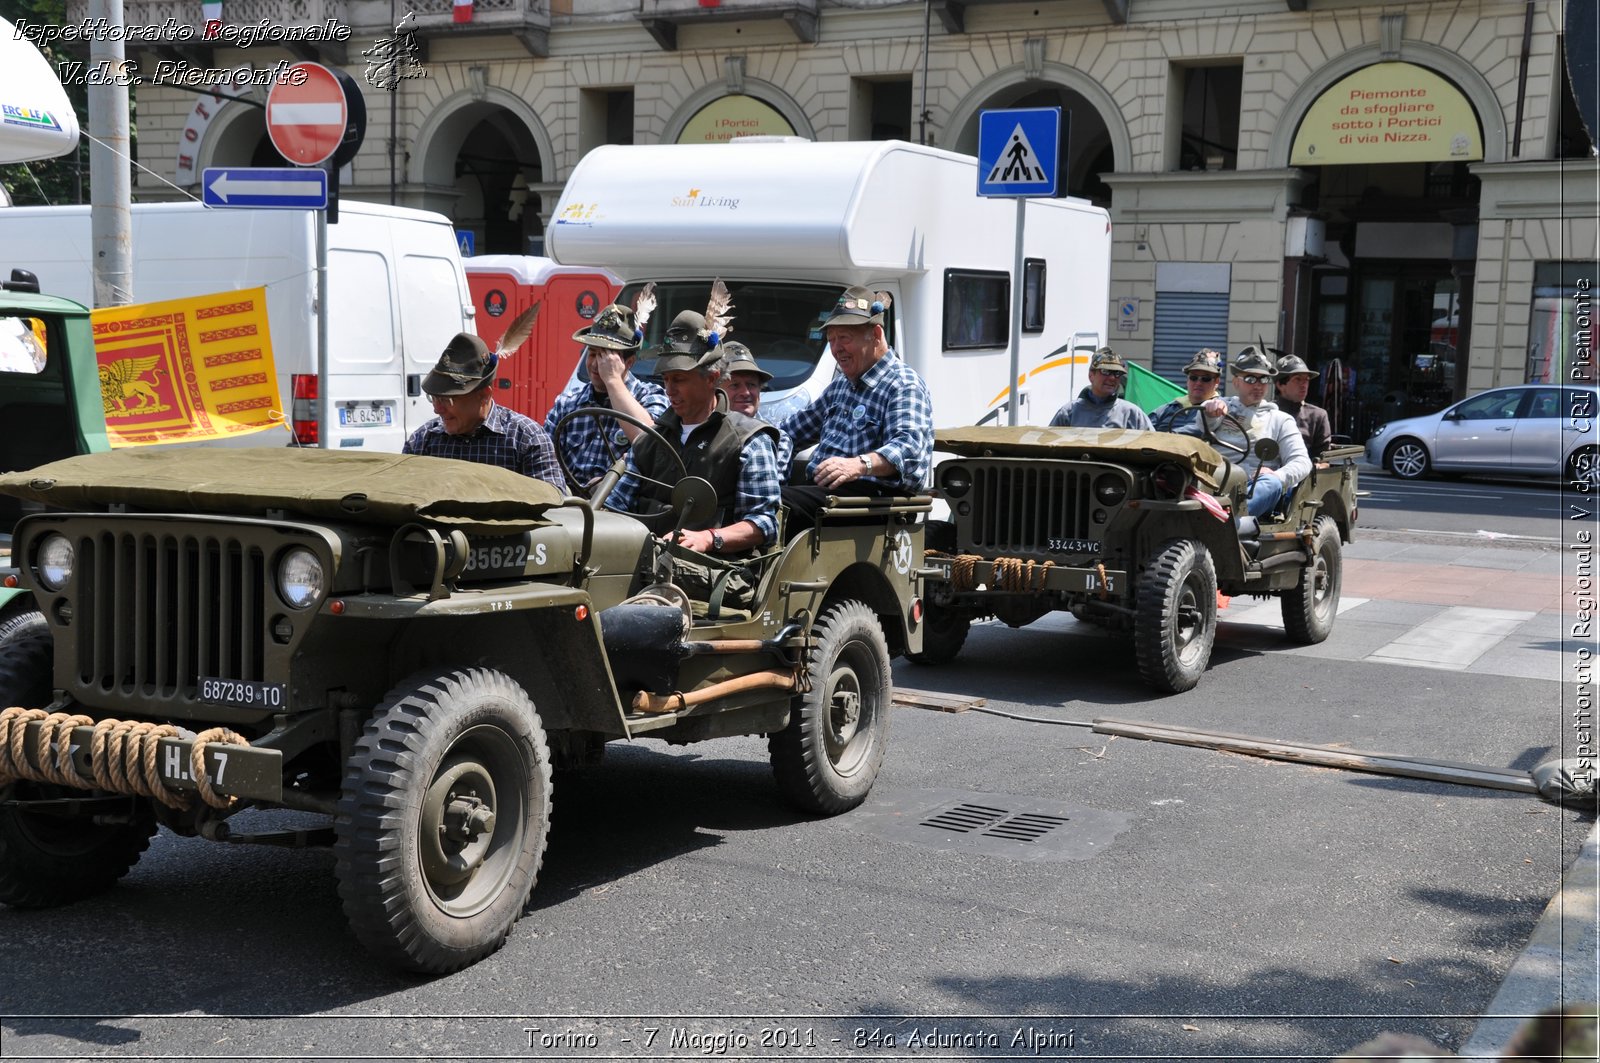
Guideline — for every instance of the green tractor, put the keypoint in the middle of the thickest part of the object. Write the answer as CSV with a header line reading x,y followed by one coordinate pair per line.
x,y
408,646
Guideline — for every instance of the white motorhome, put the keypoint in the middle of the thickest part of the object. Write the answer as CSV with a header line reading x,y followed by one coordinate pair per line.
x,y
396,292
788,224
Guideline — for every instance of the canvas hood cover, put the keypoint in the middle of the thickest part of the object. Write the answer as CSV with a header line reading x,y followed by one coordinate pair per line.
x,y
1095,444
363,487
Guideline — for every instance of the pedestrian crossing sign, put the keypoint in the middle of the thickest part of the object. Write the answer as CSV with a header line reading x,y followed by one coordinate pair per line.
x,y
1018,151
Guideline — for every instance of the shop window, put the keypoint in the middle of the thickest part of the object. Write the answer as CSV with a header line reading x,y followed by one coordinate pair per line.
x,y
1033,295
1561,327
1204,101
977,309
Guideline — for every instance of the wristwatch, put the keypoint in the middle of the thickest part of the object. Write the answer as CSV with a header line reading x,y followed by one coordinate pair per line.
x,y
716,542
866,465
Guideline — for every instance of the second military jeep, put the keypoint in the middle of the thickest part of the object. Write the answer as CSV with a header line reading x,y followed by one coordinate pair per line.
x,y
1132,531
407,646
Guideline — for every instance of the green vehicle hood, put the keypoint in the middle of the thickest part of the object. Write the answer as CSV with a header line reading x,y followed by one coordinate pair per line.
x,y
1123,445
347,487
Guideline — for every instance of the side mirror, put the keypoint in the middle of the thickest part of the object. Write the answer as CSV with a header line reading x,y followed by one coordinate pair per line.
x,y
694,500
1266,449
1453,415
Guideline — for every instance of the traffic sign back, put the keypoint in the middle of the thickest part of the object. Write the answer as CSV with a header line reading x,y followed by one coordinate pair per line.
x,y
306,121
1018,151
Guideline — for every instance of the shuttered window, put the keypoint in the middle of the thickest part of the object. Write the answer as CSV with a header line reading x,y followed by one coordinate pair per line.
x,y
1184,323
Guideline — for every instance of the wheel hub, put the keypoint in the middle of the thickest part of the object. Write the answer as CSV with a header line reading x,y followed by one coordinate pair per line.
x,y
458,818
845,706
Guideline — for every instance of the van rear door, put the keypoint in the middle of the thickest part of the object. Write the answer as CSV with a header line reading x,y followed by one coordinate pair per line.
x,y
433,293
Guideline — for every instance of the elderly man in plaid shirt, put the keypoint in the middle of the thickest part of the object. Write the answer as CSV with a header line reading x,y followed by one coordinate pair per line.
x,y
611,344
873,423
736,454
468,423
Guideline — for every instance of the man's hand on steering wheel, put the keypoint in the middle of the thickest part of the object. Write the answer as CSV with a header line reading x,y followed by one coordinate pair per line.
x,y
608,482
1216,407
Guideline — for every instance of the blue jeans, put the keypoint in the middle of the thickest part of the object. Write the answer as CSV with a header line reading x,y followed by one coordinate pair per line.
x,y
1266,491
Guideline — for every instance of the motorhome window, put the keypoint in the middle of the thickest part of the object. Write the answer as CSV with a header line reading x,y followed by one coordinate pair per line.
x,y
23,345
977,309
778,321
1033,295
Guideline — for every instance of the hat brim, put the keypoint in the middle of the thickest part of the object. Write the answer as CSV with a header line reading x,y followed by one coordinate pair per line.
x,y
853,317
1202,367
746,367
600,339
676,361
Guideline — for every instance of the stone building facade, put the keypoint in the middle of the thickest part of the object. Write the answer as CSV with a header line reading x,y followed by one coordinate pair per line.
x,y
1411,281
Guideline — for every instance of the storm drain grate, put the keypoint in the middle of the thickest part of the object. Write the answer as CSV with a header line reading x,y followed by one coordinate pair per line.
x,y
990,824
994,822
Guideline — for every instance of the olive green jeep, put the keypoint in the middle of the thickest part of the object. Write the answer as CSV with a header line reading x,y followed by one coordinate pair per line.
x,y
1132,531
408,646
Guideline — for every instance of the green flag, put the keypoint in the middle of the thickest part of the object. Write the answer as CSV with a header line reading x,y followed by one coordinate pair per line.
x,y
1147,391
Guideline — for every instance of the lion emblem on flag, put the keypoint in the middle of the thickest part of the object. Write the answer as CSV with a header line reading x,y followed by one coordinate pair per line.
x,y
122,383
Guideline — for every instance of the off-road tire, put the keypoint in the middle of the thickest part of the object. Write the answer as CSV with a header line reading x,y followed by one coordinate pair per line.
x,y
417,898
1176,621
1311,605
20,625
48,861
944,632
1583,469
1407,459
827,758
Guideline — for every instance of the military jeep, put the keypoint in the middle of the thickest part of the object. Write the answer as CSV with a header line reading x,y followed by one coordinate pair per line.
x,y
1132,531
408,646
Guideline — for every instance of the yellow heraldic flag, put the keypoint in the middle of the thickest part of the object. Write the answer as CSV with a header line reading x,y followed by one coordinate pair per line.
x,y
187,369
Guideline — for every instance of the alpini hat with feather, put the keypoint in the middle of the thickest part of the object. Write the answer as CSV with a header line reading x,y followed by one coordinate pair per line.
x,y
695,339
467,364
859,306
620,328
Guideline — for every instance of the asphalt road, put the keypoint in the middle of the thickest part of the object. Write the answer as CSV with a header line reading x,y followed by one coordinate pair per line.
x,y
1187,902
1483,507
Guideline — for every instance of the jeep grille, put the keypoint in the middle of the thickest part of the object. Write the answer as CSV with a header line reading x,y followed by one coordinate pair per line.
x,y
1020,508
159,610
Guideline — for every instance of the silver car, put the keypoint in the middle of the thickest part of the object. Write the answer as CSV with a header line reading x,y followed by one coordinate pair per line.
x,y
1531,429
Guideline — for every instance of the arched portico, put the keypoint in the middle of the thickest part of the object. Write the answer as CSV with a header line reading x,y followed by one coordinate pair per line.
x,y
764,91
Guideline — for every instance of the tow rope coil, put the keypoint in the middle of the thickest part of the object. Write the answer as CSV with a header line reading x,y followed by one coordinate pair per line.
x,y
1005,573
122,755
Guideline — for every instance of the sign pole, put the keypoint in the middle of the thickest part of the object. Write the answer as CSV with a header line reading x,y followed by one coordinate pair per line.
x,y
1017,285
324,402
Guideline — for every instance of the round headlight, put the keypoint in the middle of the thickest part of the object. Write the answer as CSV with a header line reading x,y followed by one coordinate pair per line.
x,y
1168,480
55,562
1110,489
300,577
956,482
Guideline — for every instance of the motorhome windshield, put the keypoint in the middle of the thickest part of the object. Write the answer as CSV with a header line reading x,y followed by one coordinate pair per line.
x,y
781,323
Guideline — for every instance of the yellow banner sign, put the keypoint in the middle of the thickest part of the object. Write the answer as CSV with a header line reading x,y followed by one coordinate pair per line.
x,y
734,116
1388,112
187,369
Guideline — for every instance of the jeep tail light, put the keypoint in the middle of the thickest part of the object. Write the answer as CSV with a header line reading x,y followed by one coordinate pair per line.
x,y
303,412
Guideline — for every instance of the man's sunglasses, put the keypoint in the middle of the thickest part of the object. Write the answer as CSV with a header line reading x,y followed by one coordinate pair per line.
x,y
1202,378
1250,378
1112,373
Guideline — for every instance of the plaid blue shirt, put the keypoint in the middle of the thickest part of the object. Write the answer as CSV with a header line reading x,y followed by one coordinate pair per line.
x,y
582,442
887,412
505,438
759,491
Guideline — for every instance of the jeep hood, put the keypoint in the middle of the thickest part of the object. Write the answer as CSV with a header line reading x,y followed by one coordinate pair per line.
x,y
1121,445
340,486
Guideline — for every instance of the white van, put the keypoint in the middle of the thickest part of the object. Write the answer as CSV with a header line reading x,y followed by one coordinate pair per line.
x,y
789,224
396,292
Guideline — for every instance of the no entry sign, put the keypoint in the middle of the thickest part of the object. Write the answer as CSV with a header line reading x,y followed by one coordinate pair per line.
x,y
306,121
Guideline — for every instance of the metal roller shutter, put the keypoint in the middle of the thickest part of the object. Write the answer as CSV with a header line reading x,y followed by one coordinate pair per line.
x,y
1185,322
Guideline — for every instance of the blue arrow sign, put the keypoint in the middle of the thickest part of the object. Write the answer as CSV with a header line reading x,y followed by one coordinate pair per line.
x,y
257,187
1018,151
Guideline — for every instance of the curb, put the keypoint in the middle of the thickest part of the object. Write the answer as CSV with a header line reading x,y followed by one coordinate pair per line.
x,y
1560,964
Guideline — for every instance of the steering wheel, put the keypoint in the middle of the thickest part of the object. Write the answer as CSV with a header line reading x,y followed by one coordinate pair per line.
x,y
608,482
1210,435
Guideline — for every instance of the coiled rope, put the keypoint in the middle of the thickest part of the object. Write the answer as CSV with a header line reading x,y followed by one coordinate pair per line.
x,y
122,755
1005,573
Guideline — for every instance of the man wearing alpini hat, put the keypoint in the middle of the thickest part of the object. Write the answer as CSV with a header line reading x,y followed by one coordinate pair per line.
x,y
873,423
611,344
736,454
742,382
1202,375
1252,371
468,423
1098,405
1294,384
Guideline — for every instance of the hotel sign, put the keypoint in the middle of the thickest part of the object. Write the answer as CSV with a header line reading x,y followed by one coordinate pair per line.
x,y
1388,112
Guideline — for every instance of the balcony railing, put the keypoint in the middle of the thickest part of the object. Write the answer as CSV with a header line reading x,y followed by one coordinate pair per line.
x,y
663,17
526,20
